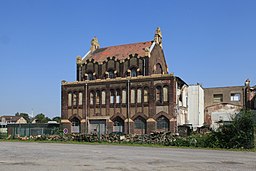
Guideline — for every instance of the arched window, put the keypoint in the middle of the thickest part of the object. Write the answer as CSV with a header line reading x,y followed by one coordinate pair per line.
x,y
90,76
118,125
145,95
91,98
159,94
75,125
118,96
139,94
133,72
123,96
158,69
103,97
97,97
69,99
133,96
165,93
140,125
74,99
112,97
163,123
80,98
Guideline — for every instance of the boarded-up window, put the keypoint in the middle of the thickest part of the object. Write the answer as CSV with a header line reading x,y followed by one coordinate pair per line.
x,y
103,97
111,63
123,96
112,96
165,92
133,61
139,95
69,99
90,66
80,101
91,98
118,96
217,98
145,95
74,99
133,96
97,97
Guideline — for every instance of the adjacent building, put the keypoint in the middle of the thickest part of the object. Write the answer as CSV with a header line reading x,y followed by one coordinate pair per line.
x,y
124,88
195,106
5,120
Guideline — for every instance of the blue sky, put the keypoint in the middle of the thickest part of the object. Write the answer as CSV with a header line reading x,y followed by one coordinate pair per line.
x,y
212,42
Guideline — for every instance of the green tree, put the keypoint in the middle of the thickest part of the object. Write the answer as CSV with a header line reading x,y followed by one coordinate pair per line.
x,y
41,118
56,118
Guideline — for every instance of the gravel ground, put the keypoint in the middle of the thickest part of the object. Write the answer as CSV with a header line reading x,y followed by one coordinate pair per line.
x,y
18,156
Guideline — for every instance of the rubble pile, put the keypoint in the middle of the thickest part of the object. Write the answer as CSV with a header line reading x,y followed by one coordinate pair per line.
x,y
164,138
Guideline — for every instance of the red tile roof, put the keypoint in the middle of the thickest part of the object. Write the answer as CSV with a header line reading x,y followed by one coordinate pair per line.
x,y
120,52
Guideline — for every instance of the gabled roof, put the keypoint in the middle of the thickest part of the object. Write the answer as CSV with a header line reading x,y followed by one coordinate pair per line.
x,y
11,118
120,52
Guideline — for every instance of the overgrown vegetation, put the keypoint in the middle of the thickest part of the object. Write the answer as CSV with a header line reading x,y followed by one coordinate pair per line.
x,y
238,134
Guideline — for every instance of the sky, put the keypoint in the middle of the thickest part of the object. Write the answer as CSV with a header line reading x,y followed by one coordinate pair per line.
x,y
211,42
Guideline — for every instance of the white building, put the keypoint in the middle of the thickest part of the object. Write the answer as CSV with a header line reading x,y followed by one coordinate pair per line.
x,y
195,106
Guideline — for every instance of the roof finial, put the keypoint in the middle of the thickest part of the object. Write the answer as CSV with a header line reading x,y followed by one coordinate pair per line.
x,y
158,36
94,44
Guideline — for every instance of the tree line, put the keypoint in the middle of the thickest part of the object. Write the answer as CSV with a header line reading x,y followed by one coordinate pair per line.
x,y
39,118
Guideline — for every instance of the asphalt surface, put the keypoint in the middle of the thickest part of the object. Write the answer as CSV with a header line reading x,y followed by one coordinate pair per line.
x,y
18,156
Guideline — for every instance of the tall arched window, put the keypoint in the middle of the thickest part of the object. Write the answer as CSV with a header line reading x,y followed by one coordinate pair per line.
x,y
159,69
97,97
118,96
91,98
165,94
69,99
133,72
112,97
103,97
74,99
133,96
123,96
159,94
80,98
139,94
145,95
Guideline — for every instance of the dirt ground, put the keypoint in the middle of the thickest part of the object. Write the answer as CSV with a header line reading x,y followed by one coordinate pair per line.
x,y
19,156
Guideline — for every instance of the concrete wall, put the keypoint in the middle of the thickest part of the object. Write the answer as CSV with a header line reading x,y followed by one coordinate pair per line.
x,y
195,106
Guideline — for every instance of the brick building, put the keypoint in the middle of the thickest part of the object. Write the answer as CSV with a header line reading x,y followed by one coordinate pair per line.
x,y
124,88
223,103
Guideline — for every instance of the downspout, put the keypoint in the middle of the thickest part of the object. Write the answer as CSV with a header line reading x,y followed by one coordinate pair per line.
x,y
128,105
86,106
144,66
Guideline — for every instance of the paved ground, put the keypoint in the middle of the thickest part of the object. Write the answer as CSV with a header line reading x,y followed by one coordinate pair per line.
x,y
66,157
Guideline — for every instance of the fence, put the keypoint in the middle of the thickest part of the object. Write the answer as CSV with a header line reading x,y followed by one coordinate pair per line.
x,y
22,130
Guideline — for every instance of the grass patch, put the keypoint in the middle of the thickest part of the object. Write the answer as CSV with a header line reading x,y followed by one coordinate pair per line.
x,y
128,144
